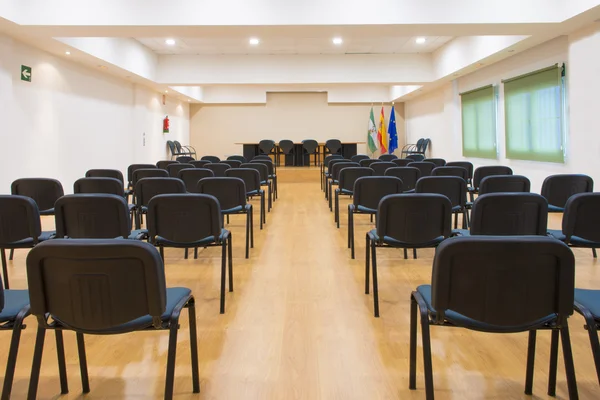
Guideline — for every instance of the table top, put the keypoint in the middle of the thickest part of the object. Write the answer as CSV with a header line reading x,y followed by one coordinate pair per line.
x,y
320,144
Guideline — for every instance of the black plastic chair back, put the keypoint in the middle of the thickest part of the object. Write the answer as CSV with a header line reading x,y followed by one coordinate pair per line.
x,y
179,147
92,216
232,163
489,170
19,219
504,184
191,176
369,190
368,161
582,217
266,146
416,219
184,159
148,173
439,162
163,164
133,167
212,159
239,158
95,285
251,178
415,157
200,163
337,167
172,148
451,171
174,169
419,145
331,157
268,163
310,146
105,173
557,189
99,186
380,167
231,192
358,158
286,146
147,188
424,166
425,145
408,175
262,169
402,162
509,214
463,164
388,157
453,187
184,218
261,157
348,177
334,146
503,281
44,191
218,169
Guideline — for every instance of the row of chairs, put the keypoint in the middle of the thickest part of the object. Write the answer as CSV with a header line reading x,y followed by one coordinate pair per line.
x,y
310,147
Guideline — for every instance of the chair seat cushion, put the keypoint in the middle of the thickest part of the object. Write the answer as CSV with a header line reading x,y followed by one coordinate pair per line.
x,y
552,208
557,234
366,210
198,243
233,210
138,234
577,241
14,302
28,242
47,235
460,232
460,320
346,191
590,299
390,241
49,211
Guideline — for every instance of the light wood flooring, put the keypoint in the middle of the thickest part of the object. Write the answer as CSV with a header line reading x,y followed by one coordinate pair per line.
x,y
299,325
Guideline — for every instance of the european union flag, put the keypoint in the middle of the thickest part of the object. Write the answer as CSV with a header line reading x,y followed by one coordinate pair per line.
x,y
393,135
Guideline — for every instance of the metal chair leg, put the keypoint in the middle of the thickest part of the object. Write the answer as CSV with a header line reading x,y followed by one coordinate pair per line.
x,y
230,256
367,259
223,269
62,366
12,354
85,380
11,255
568,358
553,362
412,379
37,363
530,362
194,345
172,353
375,283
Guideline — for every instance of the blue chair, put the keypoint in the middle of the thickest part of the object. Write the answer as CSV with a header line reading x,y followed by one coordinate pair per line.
x,y
587,303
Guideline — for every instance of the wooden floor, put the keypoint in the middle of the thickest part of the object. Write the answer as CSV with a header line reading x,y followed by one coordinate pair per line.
x,y
299,325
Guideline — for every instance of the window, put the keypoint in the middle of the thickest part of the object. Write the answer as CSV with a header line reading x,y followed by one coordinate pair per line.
x,y
479,122
534,114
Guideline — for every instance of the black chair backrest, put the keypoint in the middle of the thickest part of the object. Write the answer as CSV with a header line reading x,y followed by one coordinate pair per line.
x,y
489,170
200,163
337,167
368,161
509,282
453,187
380,167
388,157
239,158
369,190
582,217
231,192
261,157
178,146
268,163
424,166
133,167
148,173
174,169
212,159
19,219
310,145
334,146
451,171
415,157
266,145
147,188
44,191
358,158
509,214
425,144
439,162
504,184
286,146
92,216
163,164
557,189
184,159
262,169
402,162
96,285
105,173
414,218
331,157
99,186
232,163
191,176
172,147
251,178
184,218
419,144
408,175
463,164
349,175
218,168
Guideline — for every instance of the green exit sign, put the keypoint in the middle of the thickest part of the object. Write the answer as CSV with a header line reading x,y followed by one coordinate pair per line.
x,y
25,73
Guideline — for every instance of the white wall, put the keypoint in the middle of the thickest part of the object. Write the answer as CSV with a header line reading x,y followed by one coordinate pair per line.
x,y
294,116
437,114
71,118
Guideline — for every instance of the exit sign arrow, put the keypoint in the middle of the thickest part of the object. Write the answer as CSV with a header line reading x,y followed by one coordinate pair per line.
x,y
25,73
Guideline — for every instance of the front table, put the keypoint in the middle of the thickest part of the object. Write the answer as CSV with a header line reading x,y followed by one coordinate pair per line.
x,y
250,150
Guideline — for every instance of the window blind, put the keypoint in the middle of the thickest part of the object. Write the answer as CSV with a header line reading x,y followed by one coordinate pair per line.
x,y
478,109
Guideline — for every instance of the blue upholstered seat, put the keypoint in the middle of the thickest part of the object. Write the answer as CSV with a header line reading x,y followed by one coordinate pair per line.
x,y
590,299
397,243
14,301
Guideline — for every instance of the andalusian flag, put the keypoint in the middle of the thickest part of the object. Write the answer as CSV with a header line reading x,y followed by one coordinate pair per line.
x,y
392,132
382,133
372,134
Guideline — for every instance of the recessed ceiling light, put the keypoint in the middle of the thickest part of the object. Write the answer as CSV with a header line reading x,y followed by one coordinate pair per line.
x,y
170,42
166,91
337,40
68,53
420,40
254,41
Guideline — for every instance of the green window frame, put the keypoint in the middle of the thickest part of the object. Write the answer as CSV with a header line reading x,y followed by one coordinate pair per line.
x,y
478,110
534,114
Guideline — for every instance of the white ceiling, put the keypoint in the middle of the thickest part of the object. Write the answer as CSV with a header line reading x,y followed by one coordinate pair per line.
x,y
295,45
